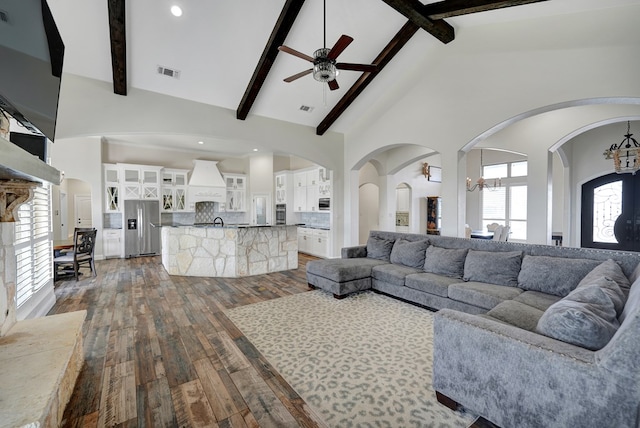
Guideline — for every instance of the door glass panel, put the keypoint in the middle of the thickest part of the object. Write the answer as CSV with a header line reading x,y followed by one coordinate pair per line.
x,y
131,176
607,206
112,176
261,210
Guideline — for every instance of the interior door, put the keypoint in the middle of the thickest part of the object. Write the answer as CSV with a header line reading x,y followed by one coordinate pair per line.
x,y
611,212
83,211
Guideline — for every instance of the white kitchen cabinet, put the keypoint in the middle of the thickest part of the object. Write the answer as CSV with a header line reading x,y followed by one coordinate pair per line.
x,y
111,188
299,179
304,240
112,243
300,199
311,199
236,192
140,181
320,242
174,190
313,241
306,190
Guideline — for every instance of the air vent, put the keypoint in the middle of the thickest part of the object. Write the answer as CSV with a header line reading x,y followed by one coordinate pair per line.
x,y
4,17
169,72
306,108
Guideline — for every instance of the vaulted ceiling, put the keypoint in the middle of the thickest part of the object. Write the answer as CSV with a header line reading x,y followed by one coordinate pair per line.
x,y
225,53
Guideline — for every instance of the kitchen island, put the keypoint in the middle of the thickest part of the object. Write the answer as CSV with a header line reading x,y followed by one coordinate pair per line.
x,y
229,251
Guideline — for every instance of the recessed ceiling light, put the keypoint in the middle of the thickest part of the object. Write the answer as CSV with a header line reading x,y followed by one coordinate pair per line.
x,y
176,10
255,150
200,142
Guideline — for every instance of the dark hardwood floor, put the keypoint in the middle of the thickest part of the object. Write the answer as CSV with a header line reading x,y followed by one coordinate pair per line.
x,y
160,351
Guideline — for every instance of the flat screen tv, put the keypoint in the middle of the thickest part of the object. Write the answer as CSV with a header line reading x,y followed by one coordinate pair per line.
x,y
31,56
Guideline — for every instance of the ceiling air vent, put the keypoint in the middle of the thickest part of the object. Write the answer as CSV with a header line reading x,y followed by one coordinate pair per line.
x,y
306,108
169,72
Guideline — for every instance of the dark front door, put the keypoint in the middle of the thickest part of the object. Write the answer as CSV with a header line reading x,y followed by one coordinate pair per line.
x,y
611,212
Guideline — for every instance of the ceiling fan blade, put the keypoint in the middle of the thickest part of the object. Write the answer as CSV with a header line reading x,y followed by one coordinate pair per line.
x,y
370,68
333,85
297,76
294,52
340,45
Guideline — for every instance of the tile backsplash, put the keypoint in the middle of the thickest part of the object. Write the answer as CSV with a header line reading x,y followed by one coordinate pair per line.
x,y
316,219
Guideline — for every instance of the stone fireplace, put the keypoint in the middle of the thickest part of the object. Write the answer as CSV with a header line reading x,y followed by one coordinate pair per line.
x,y
40,358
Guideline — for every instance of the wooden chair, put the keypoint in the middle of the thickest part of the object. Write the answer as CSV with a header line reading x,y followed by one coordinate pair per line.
x,y
84,241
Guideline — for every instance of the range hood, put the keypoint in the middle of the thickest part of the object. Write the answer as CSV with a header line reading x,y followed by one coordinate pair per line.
x,y
206,183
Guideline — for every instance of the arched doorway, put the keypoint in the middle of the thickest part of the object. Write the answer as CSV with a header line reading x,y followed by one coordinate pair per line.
x,y
611,212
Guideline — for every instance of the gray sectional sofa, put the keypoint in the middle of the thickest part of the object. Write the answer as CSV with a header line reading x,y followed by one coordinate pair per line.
x,y
525,335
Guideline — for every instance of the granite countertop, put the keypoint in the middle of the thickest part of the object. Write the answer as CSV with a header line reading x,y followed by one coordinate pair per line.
x,y
226,226
310,226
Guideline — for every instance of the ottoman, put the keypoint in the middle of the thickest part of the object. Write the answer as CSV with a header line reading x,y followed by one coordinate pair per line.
x,y
341,276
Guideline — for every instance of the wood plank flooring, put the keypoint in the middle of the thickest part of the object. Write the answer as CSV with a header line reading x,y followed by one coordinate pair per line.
x,y
161,353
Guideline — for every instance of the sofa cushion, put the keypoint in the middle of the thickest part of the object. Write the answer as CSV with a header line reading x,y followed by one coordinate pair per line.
x,y
517,314
633,301
586,317
393,274
445,261
537,300
342,270
493,267
482,294
553,275
409,253
379,248
430,283
617,286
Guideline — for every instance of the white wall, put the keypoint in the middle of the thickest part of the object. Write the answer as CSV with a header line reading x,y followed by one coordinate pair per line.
x,y
80,158
523,69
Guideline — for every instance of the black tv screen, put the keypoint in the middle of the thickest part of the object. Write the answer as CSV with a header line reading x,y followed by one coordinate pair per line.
x,y
31,56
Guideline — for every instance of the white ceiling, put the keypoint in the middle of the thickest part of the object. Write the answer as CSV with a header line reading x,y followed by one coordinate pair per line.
x,y
216,46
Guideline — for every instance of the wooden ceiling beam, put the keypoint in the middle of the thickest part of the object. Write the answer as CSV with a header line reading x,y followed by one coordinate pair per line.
x,y
118,38
412,9
420,16
450,8
278,35
383,58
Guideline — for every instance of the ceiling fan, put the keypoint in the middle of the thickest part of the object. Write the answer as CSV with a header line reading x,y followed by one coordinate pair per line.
x,y
325,67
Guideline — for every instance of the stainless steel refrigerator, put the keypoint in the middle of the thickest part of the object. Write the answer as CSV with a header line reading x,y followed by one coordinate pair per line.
x,y
141,228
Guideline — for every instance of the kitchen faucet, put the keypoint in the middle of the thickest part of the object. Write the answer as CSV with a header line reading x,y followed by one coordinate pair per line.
x,y
215,221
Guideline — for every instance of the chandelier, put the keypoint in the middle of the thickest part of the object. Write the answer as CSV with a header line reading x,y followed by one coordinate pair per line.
x,y
626,155
481,184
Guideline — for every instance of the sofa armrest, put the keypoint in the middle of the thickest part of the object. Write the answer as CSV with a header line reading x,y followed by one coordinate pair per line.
x,y
515,377
354,252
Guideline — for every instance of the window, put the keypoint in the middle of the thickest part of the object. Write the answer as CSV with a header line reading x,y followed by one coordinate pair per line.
x,y
506,205
33,245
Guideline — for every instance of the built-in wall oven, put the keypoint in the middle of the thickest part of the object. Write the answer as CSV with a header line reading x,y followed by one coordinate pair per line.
x,y
281,213
324,204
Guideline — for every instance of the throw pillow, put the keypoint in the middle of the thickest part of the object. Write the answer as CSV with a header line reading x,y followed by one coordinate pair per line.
x,y
379,248
553,275
493,267
585,318
609,276
445,261
409,253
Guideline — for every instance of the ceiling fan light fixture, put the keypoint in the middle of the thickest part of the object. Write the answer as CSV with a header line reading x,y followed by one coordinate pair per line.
x,y
324,69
